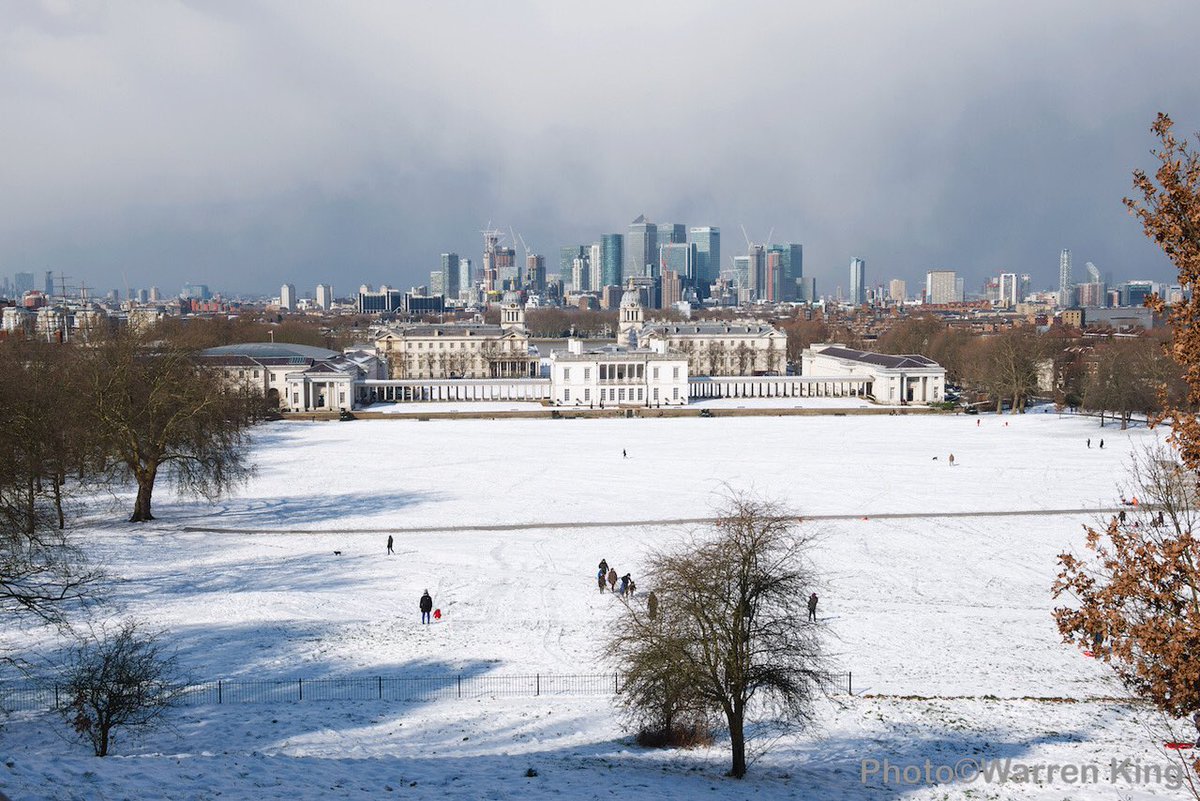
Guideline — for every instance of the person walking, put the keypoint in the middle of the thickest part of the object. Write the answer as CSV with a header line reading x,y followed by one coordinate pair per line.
x,y
1101,444
426,607
952,460
652,605
812,607
1089,442
390,544
604,566
612,579
624,455
625,579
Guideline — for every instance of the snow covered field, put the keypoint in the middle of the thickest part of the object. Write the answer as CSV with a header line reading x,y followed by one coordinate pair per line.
x,y
954,609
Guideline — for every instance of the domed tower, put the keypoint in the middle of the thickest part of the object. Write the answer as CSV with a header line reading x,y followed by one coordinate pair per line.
x,y
512,313
632,318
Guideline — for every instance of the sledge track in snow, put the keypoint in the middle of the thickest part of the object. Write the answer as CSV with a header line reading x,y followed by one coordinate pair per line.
x,y
671,521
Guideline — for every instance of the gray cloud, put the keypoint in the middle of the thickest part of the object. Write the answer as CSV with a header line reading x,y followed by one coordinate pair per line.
x,y
247,143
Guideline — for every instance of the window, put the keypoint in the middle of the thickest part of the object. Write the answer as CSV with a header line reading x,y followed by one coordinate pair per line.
x,y
604,372
622,393
675,393
656,393
296,398
256,374
587,374
675,373
639,393
566,374
566,394
654,373
587,394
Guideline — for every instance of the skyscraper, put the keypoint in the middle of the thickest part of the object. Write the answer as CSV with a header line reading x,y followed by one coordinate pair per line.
x,y
792,257
596,266
641,246
680,257
1009,289
581,274
451,276
773,285
49,284
567,254
941,286
671,233
287,297
466,281
491,247
708,257
858,282
1064,278
535,273
324,296
612,248
898,290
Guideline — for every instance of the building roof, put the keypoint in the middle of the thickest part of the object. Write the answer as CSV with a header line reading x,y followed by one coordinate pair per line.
x,y
712,329
270,350
446,330
908,361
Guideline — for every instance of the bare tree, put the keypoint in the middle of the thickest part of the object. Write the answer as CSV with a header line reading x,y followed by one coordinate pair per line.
x,y
730,638
119,678
156,408
42,573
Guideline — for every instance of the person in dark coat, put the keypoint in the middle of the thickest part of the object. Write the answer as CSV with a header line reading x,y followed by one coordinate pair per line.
x,y
625,579
812,606
390,544
612,579
604,566
1101,444
601,578
426,606
652,605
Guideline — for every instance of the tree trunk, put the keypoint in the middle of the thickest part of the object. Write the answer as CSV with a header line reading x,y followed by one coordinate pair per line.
x,y
58,504
141,507
737,743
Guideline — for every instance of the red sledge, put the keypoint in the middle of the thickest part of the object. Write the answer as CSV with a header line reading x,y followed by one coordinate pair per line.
x,y
1179,746
437,614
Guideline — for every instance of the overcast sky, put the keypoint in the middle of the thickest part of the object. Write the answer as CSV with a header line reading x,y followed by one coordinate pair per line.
x,y
241,143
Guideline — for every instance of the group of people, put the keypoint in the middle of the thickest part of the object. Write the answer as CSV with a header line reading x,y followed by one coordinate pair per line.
x,y
1089,443
608,575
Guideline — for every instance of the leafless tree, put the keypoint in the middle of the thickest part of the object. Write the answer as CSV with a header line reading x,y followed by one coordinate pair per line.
x,y
731,637
155,408
119,678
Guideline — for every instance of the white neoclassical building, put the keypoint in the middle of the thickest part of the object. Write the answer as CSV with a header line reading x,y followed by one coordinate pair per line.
x,y
298,378
614,376
461,350
890,378
712,348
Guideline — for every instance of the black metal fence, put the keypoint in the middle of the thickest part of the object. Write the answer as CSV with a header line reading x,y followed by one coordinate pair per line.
x,y
36,696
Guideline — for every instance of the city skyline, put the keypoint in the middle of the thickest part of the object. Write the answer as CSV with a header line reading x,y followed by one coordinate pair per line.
x,y
370,147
